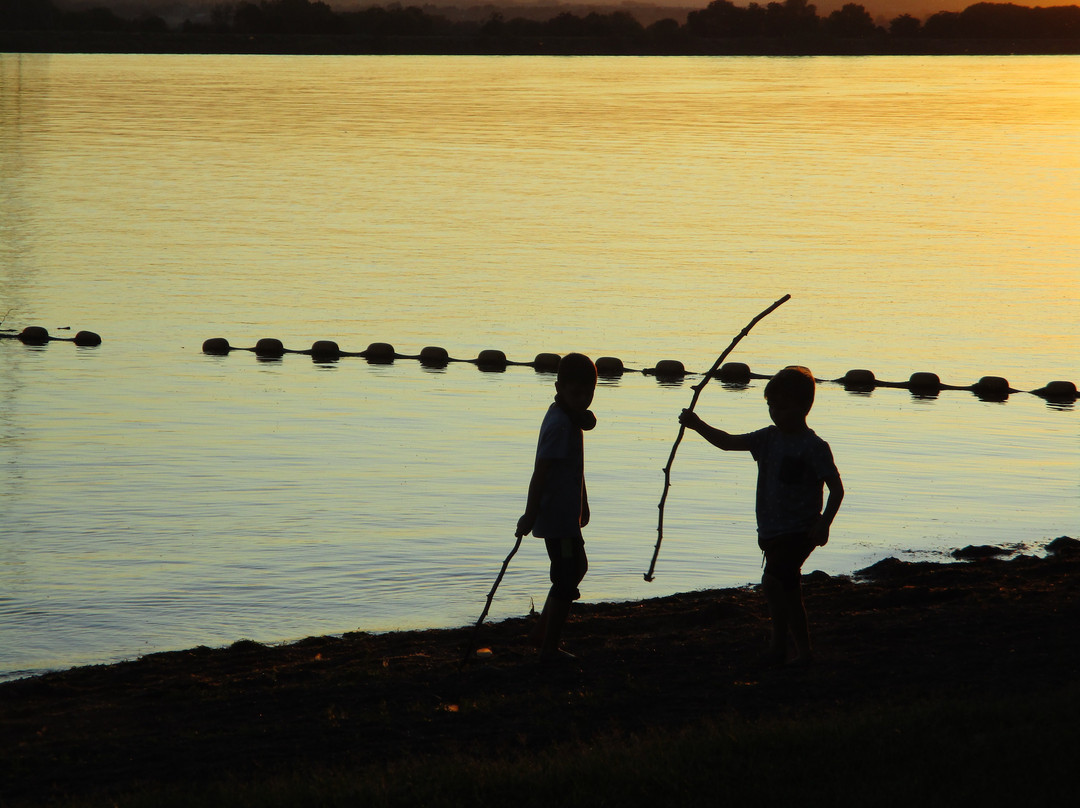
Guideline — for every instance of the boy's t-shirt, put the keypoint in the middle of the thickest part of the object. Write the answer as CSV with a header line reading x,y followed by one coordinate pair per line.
x,y
562,444
791,472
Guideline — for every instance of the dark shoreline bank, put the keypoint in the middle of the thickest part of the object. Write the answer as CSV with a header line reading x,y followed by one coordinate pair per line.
x,y
329,45
907,632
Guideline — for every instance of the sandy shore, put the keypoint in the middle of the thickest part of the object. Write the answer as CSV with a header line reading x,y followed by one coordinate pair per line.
x,y
899,632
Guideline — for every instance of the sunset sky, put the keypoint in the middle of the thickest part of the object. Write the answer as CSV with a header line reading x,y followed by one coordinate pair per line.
x,y
879,9
886,8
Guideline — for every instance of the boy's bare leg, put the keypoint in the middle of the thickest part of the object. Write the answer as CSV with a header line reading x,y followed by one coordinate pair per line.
x,y
796,618
536,636
557,610
778,612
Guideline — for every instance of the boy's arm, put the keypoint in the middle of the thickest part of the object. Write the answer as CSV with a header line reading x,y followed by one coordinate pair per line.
x,y
717,437
536,488
819,533
585,514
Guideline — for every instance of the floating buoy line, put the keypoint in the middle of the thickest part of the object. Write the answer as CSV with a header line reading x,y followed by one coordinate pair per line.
x,y
988,388
735,374
36,335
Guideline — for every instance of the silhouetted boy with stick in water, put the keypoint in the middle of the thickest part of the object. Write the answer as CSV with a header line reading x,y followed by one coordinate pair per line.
x,y
793,464
558,502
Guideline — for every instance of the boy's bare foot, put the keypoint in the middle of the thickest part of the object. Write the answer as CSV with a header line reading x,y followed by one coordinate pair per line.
x,y
559,655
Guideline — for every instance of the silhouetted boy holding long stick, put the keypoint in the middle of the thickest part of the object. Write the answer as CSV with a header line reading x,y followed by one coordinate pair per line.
x,y
793,464
558,502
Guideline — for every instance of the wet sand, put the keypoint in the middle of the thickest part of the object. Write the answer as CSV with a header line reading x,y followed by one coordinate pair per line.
x,y
899,633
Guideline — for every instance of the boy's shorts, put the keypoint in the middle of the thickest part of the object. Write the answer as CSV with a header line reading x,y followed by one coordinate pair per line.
x,y
785,555
568,566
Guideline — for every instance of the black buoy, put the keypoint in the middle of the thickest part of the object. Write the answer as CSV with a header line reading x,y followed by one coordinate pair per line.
x,y
1061,390
546,362
734,373
434,357
379,353
669,369
269,348
859,380
87,339
923,381
34,335
491,359
217,346
609,367
325,350
992,388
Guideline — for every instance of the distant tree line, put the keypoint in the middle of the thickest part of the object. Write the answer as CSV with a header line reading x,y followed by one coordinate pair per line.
x,y
720,20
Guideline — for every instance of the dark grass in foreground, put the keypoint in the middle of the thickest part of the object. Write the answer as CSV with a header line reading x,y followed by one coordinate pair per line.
x,y
1019,750
935,684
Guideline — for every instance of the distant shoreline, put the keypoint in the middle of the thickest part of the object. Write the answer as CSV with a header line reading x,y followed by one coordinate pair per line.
x,y
331,45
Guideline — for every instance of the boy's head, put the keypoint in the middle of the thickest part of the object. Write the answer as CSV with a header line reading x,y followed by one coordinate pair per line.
x,y
791,388
576,381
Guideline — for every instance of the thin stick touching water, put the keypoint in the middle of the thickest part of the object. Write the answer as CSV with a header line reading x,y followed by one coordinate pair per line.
x,y
470,649
682,429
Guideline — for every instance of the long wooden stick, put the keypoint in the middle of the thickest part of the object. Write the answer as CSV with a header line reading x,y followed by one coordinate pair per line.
x,y
682,429
471,648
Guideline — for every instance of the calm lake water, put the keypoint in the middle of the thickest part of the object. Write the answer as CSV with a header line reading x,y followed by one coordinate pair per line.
x,y
920,211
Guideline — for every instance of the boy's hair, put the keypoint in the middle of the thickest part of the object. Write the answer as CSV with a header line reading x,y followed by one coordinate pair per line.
x,y
794,383
576,367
